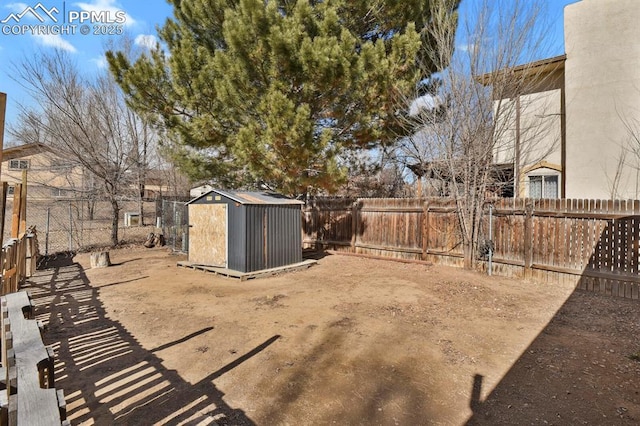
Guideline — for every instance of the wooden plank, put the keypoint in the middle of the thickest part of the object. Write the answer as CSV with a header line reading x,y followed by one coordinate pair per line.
x,y
561,235
512,262
23,205
15,217
355,213
4,187
62,405
390,248
636,244
36,406
208,234
392,209
244,276
445,253
425,230
582,241
608,276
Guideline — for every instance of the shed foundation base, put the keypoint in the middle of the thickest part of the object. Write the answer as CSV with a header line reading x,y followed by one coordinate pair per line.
x,y
244,276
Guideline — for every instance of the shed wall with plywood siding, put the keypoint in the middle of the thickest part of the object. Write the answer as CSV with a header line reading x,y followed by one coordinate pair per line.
x,y
263,230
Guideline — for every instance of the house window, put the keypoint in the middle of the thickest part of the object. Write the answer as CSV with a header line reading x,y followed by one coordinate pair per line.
x,y
57,192
18,164
543,186
58,164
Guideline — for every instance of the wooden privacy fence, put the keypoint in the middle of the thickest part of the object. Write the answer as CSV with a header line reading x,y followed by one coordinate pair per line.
x,y
591,244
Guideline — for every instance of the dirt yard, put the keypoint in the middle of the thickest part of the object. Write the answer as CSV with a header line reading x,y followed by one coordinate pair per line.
x,y
349,341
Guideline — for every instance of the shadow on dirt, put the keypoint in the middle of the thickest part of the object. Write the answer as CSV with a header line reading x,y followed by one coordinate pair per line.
x,y
315,254
574,372
142,390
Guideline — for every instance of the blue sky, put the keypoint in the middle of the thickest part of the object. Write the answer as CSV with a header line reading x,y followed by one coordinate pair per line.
x,y
137,18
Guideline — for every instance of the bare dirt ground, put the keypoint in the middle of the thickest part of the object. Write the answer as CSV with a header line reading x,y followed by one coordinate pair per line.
x,y
347,341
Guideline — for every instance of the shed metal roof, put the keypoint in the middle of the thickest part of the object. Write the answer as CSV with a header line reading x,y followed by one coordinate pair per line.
x,y
250,197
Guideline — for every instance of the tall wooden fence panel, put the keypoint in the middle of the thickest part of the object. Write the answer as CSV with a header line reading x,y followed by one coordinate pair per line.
x,y
389,227
442,235
592,244
328,223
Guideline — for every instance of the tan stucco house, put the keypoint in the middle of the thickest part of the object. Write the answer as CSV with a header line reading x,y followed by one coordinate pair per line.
x,y
49,175
52,176
574,133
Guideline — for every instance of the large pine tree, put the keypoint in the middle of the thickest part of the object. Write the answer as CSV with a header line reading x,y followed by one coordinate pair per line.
x,y
274,91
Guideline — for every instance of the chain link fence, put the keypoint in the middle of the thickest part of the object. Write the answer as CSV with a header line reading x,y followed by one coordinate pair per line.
x,y
77,225
173,221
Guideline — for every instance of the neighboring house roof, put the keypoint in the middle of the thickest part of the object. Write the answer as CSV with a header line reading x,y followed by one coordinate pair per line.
x,y
199,190
535,68
440,170
20,151
248,197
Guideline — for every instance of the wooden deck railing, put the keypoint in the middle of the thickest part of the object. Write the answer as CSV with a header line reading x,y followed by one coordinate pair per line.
x,y
18,258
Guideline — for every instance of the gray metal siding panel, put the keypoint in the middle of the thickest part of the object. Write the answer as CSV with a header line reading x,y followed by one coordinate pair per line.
x,y
237,259
255,237
284,244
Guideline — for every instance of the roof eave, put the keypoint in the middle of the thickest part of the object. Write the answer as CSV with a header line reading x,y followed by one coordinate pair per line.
x,y
542,66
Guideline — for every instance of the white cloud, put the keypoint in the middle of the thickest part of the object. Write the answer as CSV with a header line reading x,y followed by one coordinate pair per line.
x,y
16,7
56,41
110,6
148,41
99,61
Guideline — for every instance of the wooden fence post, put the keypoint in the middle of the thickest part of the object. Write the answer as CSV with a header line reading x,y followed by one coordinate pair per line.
x,y
354,225
425,230
23,205
528,238
30,266
17,202
4,186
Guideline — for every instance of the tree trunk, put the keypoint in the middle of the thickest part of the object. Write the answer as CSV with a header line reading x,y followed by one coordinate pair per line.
x,y
141,207
91,207
115,213
468,254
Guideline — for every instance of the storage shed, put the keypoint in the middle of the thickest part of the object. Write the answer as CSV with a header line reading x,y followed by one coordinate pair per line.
x,y
244,231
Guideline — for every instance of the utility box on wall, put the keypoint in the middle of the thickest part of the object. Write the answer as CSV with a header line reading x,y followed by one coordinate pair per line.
x,y
245,231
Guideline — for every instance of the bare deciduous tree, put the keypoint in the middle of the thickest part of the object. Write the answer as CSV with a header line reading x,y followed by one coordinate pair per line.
x,y
88,122
472,113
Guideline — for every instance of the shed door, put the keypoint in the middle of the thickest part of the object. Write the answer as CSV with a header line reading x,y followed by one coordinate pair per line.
x,y
208,234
